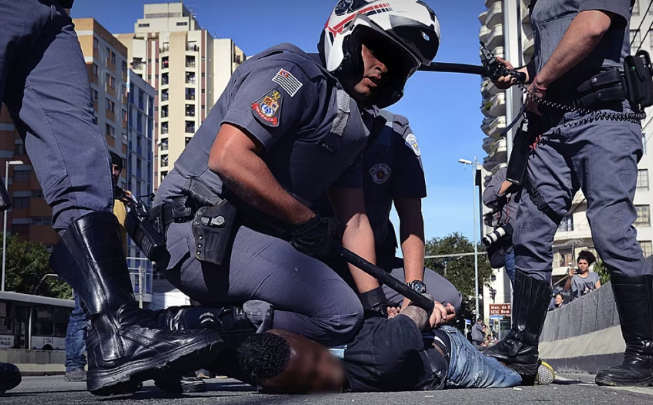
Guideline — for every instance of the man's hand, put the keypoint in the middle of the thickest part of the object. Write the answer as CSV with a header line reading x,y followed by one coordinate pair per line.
x,y
505,82
535,94
315,236
505,186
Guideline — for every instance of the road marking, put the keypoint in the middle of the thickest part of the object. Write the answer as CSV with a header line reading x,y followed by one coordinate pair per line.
x,y
636,390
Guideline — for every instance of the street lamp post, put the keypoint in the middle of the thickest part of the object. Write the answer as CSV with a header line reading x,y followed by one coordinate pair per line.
x,y
4,227
474,165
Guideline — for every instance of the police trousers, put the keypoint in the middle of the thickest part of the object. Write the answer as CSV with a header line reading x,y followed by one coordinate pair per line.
x,y
309,298
600,158
44,84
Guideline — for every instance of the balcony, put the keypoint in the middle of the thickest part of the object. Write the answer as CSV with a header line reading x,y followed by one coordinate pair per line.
x,y
525,16
498,51
190,78
568,232
190,62
529,47
481,17
190,111
488,89
483,33
495,107
495,37
494,15
488,3
490,163
165,47
499,151
137,65
192,47
190,129
493,127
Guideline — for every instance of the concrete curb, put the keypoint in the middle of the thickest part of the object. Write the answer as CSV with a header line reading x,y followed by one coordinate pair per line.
x,y
41,369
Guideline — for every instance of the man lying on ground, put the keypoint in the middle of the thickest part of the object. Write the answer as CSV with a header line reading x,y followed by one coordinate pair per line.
x,y
386,355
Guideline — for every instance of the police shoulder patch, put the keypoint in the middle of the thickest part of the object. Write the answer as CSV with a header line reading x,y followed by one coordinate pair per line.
x,y
411,141
380,173
288,82
267,109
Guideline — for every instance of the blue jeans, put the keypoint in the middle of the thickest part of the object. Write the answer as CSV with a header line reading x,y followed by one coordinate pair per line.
x,y
76,338
469,368
510,264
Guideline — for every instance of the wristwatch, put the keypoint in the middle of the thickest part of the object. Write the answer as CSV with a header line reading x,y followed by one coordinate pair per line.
x,y
418,286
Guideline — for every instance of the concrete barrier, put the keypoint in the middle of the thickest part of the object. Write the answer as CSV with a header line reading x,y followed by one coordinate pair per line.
x,y
35,362
584,336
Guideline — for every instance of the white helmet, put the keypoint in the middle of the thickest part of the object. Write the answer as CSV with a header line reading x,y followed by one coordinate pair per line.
x,y
409,27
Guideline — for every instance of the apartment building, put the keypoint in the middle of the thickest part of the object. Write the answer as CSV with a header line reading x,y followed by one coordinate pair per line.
x,y
139,165
188,69
506,28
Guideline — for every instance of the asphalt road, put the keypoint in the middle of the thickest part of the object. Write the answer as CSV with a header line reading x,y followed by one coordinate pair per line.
x,y
570,390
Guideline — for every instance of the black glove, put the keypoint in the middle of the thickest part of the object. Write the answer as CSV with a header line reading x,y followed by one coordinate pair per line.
x,y
374,303
314,237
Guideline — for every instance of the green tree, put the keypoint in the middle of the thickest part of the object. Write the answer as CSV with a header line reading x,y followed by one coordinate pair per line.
x,y
26,264
460,270
602,270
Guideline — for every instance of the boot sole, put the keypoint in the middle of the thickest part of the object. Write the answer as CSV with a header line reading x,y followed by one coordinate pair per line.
x,y
127,378
10,383
609,382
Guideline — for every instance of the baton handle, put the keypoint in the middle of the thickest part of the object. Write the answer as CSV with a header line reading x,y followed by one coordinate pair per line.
x,y
421,301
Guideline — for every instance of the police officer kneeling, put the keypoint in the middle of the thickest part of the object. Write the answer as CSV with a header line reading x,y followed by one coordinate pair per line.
x,y
580,54
288,128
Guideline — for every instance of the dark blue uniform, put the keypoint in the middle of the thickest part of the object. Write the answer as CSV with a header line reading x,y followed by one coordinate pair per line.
x,y
43,83
392,168
598,157
313,135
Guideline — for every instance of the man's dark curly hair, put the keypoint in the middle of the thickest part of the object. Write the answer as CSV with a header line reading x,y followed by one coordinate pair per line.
x,y
263,356
586,255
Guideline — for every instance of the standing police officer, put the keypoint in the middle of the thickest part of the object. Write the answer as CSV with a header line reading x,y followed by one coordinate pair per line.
x,y
580,48
287,129
44,84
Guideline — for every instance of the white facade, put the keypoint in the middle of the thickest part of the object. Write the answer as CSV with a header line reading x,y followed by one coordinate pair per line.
x,y
140,155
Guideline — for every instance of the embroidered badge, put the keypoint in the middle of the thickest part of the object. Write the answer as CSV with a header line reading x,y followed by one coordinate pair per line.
x,y
268,108
380,173
288,82
411,141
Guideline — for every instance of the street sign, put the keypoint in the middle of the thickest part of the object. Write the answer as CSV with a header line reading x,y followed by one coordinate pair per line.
x,y
499,309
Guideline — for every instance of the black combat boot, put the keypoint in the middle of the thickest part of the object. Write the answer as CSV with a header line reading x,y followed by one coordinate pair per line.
x,y
125,344
634,297
234,323
9,377
518,350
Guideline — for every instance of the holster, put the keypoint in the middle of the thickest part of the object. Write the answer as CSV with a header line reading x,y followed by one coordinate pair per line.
x,y
215,223
638,79
601,89
143,231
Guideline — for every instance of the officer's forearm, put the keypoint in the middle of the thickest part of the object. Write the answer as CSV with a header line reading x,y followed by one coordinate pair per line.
x,y
411,234
234,157
359,238
583,35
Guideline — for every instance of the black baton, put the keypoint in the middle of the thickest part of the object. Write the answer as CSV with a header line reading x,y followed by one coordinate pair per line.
x,y
418,299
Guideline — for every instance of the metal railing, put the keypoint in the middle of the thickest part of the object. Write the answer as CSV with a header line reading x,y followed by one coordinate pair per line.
x,y
141,277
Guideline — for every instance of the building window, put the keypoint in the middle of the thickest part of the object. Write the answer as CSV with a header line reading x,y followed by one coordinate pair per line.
x,y
642,179
190,110
190,61
22,175
21,202
182,23
95,95
113,57
643,215
647,248
111,106
95,70
190,94
109,130
188,140
163,175
37,193
108,55
94,120
164,143
164,95
124,115
165,61
164,79
41,221
96,43
164,160
190,127
190,77
563,258
143,25
164,111
164,128
19,149
124,68
111,82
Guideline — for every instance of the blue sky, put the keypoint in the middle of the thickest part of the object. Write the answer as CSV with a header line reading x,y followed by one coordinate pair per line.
x,y
443,108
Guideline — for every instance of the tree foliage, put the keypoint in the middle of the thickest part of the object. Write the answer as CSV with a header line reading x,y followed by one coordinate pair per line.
x,y
460,270
602,270
26,264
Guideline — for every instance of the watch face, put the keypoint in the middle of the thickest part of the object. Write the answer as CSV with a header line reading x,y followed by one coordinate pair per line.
x,y
418,286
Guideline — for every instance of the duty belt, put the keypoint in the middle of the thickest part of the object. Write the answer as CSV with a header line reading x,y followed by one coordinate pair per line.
x,y
179,210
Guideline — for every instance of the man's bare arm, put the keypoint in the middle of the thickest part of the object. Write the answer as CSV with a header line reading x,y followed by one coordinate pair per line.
x,y
236,158
349,207
583,35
